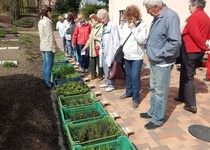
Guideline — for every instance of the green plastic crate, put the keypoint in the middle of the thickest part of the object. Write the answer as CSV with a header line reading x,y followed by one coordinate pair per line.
x,y
62,81
68,114
66,101
122,143
57,68
74,129
63,59
59,56
62,63
71,88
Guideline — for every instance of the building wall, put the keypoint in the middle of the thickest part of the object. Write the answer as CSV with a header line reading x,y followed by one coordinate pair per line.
x,y
180,6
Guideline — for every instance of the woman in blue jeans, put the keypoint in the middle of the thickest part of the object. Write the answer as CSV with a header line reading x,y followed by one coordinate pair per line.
x,y
47,45
133,51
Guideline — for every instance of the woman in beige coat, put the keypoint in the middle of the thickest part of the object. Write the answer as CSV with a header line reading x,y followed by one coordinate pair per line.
x,y
93,44
47,44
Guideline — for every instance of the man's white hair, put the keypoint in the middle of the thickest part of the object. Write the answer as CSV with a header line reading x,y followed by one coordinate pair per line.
x,y
102,12
151,3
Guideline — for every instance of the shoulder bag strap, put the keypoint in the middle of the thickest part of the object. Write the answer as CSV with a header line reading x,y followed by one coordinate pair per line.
x,y
126,39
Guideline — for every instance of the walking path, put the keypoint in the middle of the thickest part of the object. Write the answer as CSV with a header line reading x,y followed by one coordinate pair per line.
x,y
173,135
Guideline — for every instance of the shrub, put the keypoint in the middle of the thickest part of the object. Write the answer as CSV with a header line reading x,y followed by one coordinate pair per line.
x,y
24,22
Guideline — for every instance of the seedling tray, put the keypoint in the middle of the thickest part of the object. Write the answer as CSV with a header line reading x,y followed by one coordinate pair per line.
x,y
56,68
63,59
82,114
62,81
71,88
76,130
61,63
122,143
68,101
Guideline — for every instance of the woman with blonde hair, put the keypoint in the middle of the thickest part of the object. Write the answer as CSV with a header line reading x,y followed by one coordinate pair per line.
x,y
80,37
93,44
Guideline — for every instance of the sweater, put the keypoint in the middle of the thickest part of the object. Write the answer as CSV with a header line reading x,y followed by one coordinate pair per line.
x,y
196,32
81,34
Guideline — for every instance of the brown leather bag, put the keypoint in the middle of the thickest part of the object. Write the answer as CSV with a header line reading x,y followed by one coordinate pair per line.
x,y
116,70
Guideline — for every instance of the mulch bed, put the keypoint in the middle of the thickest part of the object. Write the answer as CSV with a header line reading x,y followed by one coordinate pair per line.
x,y
27,119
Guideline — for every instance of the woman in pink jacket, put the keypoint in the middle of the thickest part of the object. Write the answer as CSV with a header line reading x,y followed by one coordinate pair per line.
x,y
81,35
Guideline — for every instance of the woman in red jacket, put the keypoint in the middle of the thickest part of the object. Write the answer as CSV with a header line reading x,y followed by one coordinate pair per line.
x,y
81,35
194,35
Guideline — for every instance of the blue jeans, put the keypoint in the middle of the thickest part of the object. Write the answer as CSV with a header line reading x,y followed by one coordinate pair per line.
x,y
108,82
76,54
69,48
132,74
83,59
48,59
159,85
63,40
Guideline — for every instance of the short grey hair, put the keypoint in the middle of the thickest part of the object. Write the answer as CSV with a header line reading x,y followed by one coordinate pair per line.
x,y
198,3
152,3
102,12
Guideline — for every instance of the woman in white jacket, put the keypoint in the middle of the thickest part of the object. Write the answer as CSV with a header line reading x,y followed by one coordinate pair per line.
x,y
133,51
47,44
110,41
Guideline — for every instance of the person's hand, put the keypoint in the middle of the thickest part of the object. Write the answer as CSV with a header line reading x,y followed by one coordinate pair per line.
x,y
83,50
207,52
132,24
73,46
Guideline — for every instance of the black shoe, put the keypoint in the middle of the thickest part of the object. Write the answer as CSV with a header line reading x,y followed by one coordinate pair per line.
x,y
124,96
151,126
192,109
51,86
177,99
145,115
205,79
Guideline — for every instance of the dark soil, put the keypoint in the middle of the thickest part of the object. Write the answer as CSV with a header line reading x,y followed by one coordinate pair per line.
x,y
27,120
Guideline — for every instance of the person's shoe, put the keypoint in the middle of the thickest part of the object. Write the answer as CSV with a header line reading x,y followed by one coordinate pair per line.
x,y
86,70
151,126
205,79
103,85
124,96
100,79
51,86
81,69
192,109
178,99
145,115
92,78
135,104
109,89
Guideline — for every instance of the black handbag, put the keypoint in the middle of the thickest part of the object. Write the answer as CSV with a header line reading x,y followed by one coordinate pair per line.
x,y
119,55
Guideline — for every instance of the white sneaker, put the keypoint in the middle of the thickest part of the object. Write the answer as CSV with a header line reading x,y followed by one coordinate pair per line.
x,y
109,89
103,85
81,69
